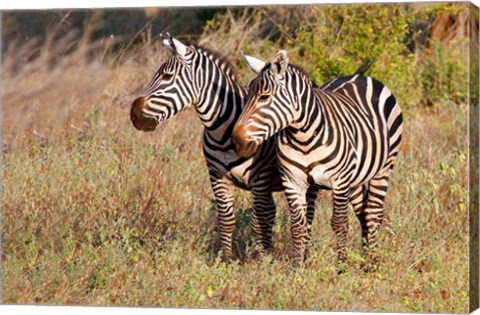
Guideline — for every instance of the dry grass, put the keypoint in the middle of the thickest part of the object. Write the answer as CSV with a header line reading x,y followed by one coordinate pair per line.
x,y
98,213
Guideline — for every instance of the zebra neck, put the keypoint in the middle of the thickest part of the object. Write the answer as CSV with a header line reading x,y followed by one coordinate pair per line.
x,y
220,106
313,124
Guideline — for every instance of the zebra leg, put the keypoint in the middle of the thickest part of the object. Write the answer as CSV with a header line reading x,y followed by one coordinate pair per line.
x,y
311,198
358,200
263,217
298,227
223,191
298,223
340,223
374,213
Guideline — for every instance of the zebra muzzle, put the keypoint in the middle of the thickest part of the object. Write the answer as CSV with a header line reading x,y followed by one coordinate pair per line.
x,y
243,147
138,118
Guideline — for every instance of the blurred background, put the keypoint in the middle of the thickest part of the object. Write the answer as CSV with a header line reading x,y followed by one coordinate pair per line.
x,y
418,50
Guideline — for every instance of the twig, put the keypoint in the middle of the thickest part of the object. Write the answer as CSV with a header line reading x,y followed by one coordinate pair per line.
x,y
76,128
130,43
39,135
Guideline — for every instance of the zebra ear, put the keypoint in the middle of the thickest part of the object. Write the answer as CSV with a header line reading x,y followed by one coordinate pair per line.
x,y
167,43
253,63
174,45
279,63
180,48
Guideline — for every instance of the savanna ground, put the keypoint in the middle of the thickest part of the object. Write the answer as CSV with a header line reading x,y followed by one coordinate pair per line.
x,y
98,213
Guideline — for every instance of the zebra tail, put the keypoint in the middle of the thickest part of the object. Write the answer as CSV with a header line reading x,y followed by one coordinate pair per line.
x,y
364,67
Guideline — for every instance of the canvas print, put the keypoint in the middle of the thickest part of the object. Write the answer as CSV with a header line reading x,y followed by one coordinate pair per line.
x,y
306,157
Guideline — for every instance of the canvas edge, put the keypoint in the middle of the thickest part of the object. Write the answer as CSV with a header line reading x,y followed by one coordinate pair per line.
x,y
473,157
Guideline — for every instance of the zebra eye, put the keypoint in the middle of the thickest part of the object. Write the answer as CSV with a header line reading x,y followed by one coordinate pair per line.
x,y
264,97
167,76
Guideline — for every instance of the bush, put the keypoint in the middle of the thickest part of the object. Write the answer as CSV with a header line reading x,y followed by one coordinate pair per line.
x,y
333,40
444,73
339,38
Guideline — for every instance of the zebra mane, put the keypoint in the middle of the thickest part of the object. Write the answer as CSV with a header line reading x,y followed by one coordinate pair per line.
x,y
298,70
220,60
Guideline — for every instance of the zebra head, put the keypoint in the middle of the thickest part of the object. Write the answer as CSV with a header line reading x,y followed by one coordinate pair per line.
x,y
270,105
170,90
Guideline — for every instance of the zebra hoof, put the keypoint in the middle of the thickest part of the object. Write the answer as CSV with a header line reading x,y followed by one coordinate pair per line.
x,y
226,258
341,268
372,262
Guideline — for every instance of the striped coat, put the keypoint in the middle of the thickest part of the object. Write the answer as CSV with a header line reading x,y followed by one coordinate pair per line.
x,y
197,77
343,136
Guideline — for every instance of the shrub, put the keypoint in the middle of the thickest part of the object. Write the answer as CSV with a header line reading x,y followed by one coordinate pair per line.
x,y
333,40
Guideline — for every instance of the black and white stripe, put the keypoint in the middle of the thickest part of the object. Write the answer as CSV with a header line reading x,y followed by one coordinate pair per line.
x,y
343,136
197,77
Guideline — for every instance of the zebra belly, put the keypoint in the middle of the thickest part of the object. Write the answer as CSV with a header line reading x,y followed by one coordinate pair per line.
x,y
259,170
305,169
239,175
318,176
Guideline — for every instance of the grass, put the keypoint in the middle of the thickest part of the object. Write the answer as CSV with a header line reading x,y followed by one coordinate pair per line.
x,y
98,213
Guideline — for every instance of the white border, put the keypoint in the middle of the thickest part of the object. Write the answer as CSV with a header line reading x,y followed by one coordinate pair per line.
x,y
85,4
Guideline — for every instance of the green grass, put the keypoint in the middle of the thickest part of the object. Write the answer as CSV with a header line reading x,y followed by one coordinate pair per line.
x,y
112,216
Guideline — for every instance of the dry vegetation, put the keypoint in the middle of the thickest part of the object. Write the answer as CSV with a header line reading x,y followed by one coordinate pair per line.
x,y
98,213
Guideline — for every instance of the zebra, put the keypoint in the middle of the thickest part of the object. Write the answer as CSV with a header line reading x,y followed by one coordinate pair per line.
x,y
343,136
198,77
